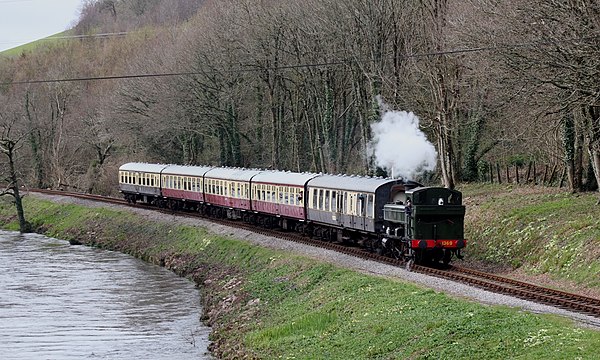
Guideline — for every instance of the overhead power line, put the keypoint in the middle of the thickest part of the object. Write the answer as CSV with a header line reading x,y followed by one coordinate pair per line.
x,y
284,67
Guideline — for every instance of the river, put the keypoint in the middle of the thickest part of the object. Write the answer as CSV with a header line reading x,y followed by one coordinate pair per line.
x,y
59,301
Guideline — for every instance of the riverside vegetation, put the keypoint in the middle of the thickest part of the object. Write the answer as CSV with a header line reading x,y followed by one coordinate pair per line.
x,y
264,303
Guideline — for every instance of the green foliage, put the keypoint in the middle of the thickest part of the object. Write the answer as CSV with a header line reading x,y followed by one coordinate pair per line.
x,y
517,160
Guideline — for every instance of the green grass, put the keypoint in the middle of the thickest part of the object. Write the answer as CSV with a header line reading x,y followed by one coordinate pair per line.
x,y
270,304
541,230
17,51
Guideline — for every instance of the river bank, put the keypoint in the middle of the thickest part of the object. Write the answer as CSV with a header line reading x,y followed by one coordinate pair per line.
x,y
265,303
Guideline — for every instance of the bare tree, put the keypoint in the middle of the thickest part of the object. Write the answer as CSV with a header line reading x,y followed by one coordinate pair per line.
x,y
9,145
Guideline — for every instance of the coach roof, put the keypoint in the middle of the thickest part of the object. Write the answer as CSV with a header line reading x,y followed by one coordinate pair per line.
x,y
143,167
187,170
350,183
235,174
283,178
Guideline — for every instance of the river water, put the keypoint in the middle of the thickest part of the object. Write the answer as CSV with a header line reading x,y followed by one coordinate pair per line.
x,y
59,301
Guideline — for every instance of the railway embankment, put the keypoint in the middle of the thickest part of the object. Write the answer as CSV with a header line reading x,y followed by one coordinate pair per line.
x,y
266,303
539,234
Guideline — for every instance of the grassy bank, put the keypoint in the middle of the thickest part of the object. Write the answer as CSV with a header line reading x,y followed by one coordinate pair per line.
x,y
270,304
540,230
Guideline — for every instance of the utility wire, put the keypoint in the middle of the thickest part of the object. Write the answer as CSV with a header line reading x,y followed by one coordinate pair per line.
x,y
285,67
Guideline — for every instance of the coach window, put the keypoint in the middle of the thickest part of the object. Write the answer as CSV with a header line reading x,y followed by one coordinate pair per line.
x,y
370,206
326,200
321,199
362,199
347,204
314,198
334,201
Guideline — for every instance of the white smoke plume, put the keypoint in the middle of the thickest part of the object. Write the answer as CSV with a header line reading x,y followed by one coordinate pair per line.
x,y
399,146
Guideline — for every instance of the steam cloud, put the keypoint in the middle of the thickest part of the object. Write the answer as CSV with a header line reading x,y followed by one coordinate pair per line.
x,y
399,146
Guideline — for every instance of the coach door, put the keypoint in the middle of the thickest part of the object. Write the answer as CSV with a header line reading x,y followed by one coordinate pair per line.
x,y
351,210
361,205
337,207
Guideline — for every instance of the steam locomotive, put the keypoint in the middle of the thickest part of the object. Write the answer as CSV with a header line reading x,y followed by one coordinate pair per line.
x,y
393,217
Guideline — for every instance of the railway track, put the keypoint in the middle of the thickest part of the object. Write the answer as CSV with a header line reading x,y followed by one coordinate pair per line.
x,y
494,283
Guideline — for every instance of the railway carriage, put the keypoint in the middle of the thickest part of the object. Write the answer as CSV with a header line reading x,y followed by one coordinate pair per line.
x,y
281,194
184,184
140,182
351,203
228,188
